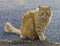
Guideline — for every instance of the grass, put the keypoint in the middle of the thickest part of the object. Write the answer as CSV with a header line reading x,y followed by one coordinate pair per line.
x,y
21,41
15,41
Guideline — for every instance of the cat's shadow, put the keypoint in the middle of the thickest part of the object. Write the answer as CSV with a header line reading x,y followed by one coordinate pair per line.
x,y
13,36
7,35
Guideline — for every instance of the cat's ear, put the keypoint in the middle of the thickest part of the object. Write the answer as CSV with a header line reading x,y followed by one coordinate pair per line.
x,y
39,7
49,7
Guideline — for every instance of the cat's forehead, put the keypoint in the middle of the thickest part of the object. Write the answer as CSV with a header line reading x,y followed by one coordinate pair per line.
x,y
44,7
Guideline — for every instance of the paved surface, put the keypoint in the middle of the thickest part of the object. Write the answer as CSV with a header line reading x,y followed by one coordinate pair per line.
x,y
12,11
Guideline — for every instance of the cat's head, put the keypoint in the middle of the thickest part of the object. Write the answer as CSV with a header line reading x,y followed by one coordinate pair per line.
x,y
44,12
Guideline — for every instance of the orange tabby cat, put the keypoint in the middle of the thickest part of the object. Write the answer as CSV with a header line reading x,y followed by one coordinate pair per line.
x,y
33,24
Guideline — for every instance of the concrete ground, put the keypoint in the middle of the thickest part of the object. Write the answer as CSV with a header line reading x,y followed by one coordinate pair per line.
x,y
12,11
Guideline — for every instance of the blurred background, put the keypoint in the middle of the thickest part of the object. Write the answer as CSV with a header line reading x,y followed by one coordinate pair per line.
x,y
13,10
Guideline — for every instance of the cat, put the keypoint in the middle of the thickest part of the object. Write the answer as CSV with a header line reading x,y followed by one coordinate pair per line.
x,y
33,24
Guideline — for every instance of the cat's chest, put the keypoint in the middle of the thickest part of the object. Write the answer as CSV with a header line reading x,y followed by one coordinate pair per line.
x,y
42,21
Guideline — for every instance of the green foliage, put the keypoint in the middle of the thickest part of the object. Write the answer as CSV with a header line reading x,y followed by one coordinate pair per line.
x,y
15,41
19,41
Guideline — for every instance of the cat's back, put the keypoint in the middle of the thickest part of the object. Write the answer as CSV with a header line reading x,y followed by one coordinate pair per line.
x,y
28,15
28,25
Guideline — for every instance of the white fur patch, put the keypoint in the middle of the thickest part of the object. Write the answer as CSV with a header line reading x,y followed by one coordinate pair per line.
x,y
37,9
21,36
6,29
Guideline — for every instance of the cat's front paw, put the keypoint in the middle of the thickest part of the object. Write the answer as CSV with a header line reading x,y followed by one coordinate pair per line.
x,y
43,38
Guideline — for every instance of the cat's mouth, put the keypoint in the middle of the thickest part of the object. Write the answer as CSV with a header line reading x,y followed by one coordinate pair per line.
x,y
43,17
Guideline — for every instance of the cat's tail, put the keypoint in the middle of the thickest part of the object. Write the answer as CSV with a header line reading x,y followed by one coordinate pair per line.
x,y
9,28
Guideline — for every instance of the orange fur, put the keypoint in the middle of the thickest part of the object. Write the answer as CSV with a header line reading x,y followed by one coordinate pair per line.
x,y
33,23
